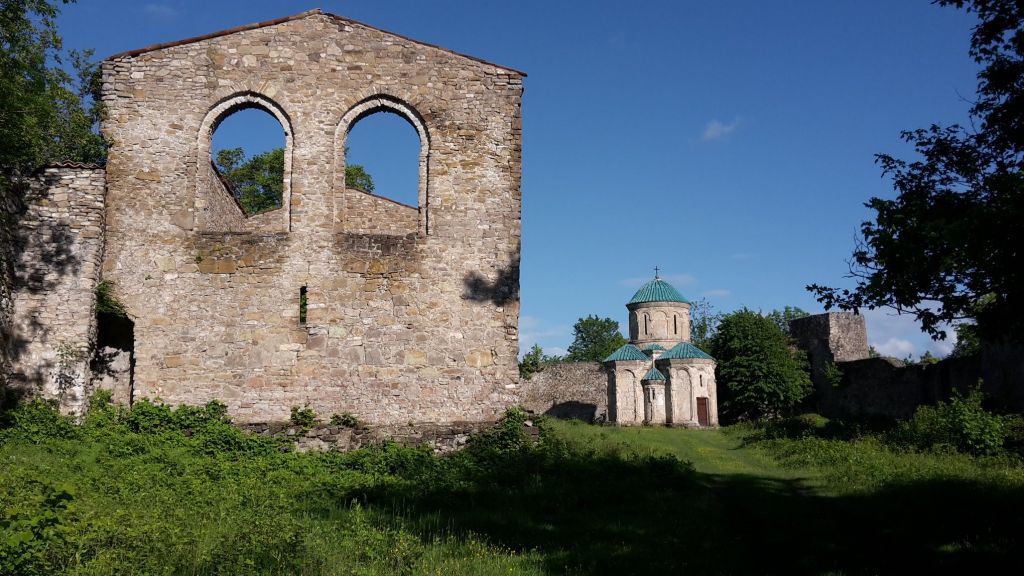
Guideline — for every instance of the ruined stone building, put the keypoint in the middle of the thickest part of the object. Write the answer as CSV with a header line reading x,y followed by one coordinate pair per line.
x,y
660,377
339,299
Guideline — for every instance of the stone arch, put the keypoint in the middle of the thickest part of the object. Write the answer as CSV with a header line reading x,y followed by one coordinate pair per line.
x,y
391,104
225,107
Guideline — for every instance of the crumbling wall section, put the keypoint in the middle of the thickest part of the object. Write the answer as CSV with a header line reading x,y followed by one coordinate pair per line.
x,y
567,390
58,248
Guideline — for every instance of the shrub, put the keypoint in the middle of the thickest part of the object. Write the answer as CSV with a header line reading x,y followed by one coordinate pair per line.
x,y
346,419
962,424
304,416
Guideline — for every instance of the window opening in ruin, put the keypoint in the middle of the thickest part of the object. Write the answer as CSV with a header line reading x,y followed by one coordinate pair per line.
x,y
248,153
647,320
675,324
303,305
382,157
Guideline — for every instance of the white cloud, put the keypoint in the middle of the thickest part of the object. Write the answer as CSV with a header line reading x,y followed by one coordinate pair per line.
x,y
898,335
717,293
895,347
716,130
533,331
160,10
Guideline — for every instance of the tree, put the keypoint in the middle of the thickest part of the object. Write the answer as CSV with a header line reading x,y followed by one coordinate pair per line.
x,y
703,323
783,317
594,339
257,183
357,177
951,239
530,364
45,114
759,374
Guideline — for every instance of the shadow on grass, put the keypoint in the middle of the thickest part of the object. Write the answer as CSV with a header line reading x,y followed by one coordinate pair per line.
x,y
602,514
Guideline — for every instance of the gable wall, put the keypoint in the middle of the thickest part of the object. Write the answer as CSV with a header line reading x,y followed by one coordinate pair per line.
x,y
400,328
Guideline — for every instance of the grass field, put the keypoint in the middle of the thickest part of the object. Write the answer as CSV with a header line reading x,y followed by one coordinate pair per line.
x,y
155,491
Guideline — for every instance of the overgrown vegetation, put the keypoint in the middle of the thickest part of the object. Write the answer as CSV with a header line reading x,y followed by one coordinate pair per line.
x,y
107,302
155,490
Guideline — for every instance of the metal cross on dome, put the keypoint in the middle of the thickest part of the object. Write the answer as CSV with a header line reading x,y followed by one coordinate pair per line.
x,y
656,277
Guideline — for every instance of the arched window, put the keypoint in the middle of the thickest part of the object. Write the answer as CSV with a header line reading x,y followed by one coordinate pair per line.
x,y
675,324
647,323
381,183
248,152
243,169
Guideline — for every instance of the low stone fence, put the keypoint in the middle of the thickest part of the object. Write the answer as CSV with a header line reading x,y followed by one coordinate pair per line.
x,y
443,438
577,390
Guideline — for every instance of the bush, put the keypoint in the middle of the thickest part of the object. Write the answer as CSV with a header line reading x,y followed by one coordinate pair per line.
x,y
961,424
346,419
304,416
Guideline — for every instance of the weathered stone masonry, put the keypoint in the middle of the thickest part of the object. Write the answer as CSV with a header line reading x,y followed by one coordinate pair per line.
x,y
410,317
57,248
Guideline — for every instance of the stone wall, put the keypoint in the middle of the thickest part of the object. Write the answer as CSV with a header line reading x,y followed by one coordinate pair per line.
x,y
442,438
567,390
58,247
886,388
411,327
370,214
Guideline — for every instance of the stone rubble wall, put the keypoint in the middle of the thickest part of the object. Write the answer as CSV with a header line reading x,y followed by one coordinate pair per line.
x,y
576,390
58,249
888,388
419,327
442,438
370,214
217,210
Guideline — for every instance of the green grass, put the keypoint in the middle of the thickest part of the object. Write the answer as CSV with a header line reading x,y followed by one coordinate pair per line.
x,y
155,491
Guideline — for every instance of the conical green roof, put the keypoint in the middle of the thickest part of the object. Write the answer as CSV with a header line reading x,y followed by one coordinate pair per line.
x,y
655,346
657,290
627,352
683,351
654,374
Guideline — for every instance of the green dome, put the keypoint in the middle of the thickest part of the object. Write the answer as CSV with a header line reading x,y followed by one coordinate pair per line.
x,y
684,351
626,352
654,374
657,290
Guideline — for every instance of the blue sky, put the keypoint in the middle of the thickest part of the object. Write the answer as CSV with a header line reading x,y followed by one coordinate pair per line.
x,y
729,143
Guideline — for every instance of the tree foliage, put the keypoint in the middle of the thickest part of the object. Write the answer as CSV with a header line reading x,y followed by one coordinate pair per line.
x,y
46,114
758,374
594,339
703,323
951,238
535,361
357,177
257,183
783,317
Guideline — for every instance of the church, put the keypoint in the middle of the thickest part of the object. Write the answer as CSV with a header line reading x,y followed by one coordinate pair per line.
x,y
660,377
